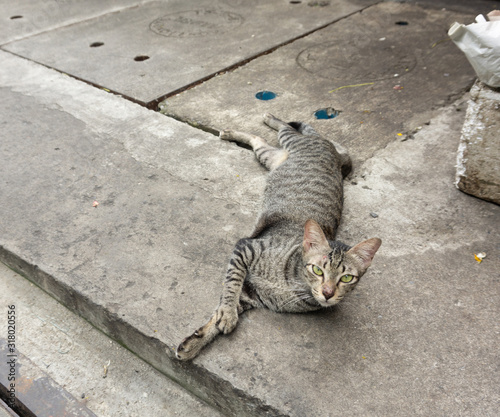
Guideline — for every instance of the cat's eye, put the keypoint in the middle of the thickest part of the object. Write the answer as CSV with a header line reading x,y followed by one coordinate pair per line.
x,y
317,270
347,278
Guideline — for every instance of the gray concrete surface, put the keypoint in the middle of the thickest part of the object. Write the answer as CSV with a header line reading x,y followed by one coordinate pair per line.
x,y
27,389
5,411
62,349
25,18
180,42
417,338
352,66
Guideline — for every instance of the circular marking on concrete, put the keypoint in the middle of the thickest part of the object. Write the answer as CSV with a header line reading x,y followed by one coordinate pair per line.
x,y
265,95
346,61
326,113
195,23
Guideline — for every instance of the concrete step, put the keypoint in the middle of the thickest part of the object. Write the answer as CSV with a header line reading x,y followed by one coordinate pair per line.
x,y
64,366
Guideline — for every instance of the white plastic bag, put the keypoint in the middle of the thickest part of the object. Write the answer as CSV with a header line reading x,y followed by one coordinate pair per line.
x,y
480,42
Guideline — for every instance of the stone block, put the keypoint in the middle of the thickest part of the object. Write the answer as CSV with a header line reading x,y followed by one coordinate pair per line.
x,y
478,159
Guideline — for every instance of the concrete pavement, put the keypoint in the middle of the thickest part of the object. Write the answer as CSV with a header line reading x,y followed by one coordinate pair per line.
x,y
157,48
145,265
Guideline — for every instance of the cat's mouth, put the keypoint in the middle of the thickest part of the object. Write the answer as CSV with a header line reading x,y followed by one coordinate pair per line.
x,y
328,303
321,299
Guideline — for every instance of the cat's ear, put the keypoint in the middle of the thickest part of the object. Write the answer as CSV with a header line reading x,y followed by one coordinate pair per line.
x,y
365,251
314,238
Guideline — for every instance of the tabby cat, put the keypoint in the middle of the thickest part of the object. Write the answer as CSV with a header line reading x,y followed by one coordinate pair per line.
x,y
291,262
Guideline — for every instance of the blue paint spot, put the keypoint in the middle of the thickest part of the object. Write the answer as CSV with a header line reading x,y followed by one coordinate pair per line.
x,y
327,113
265,95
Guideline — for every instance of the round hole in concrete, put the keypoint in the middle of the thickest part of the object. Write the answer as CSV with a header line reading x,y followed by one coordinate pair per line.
x,y
402,23
265,95
17,16
140,58
326,113
96,44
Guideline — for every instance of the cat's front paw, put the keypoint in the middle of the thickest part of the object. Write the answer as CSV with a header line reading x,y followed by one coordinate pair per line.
x,y
226,135
227,318
190,347
193,344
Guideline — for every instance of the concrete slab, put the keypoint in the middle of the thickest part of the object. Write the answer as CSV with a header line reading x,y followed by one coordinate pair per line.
x,y
153,50
24,18
64,351
361,66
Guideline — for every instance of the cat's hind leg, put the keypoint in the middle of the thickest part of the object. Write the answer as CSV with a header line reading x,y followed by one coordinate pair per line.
x,y
267,155
304,129
279,125
274,123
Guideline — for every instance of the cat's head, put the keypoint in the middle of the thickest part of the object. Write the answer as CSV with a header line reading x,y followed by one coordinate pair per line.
x,y
333,270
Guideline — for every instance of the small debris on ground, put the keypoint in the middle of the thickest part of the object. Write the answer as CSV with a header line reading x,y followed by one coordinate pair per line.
x,y
105,374
350,86
479,257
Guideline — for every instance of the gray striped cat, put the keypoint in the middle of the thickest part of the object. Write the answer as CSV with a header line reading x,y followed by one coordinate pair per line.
x,y
291,262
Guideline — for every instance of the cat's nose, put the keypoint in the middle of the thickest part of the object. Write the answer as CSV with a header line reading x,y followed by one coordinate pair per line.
x,y
328,292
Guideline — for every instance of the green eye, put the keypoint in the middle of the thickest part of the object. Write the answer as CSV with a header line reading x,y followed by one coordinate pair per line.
x,y
347,278
317,270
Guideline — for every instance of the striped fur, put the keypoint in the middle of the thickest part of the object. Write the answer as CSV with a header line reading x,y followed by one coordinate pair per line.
x,y
290,262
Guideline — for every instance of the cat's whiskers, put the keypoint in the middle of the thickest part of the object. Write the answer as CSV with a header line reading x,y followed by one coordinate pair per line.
x,y
295,299
298,287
